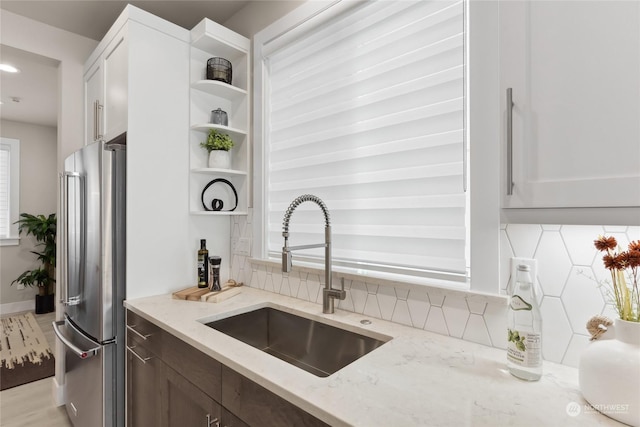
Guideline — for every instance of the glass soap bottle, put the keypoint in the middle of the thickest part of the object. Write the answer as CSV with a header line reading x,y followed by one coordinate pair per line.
x,y
524,334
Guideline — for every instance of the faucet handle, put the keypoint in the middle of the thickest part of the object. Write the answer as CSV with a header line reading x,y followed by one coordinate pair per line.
x,y
341,294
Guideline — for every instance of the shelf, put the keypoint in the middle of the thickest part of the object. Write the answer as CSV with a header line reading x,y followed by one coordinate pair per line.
x,y
221,89
215,171
227,129
212,213
212,37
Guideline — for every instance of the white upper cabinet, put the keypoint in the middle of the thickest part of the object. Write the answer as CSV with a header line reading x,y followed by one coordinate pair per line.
x,y
105,83
574,70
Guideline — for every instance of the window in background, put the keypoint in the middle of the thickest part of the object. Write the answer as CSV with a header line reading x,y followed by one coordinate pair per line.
x,y
9,190
365,109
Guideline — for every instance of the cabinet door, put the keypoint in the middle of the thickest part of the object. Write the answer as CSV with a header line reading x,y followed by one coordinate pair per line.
x,y
573,67
93,99
256,405
187,405
116,85
143,388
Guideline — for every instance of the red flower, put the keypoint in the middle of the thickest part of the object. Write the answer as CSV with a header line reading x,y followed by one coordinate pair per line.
x,y
634,246
605,243
633,258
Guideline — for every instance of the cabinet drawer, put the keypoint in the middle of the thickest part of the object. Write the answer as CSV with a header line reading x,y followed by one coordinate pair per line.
x,y
186,405
200,369
256,405
142,333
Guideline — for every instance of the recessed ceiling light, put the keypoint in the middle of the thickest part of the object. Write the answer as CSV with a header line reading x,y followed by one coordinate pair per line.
x,y
8,68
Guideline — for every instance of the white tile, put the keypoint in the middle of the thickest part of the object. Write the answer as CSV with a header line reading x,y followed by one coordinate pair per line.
x,y
476,330
435,321
506,253
387,301
402,294
495,317
556,330
260,276
285,289
268,284
550,227
314,287
401,313
456,314
294,282
615,229
436,298
347,302
554,264
418,303
303,292
358,295
372,288
633,233
578,240
581,300
476,306
610,311
577,345
524,238
371,307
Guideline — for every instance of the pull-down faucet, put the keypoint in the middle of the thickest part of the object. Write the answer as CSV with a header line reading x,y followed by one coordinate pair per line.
x,y
328,293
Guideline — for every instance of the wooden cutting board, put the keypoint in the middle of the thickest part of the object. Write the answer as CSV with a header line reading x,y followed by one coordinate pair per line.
x,y
191,294
195,293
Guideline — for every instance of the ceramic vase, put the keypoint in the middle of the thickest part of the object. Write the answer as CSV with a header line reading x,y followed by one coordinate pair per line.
x,y
609,371
220,159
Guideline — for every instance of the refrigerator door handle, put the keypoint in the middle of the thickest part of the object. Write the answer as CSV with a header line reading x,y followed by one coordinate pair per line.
x,y
84,349
77,217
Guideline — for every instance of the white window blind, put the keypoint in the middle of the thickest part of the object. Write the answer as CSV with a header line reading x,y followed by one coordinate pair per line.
x,y
366,111
9,187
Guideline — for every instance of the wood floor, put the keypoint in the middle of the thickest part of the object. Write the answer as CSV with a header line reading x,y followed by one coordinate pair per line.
x,y
32,404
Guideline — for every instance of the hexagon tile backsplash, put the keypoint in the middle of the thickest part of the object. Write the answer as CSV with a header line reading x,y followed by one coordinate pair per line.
x,y
569,269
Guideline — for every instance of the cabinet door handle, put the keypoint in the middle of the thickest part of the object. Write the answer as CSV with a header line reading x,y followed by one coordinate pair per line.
x,y
212,422
144,337
140,358
95,120
99,121
509,141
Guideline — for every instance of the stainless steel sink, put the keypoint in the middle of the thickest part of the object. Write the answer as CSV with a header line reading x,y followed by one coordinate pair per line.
x,y
316,347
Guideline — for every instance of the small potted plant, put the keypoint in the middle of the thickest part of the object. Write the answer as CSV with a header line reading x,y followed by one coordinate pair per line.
x,y
43,228
218,145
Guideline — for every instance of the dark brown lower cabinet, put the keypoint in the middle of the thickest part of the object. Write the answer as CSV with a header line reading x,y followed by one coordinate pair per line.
x,y
172,384
186,405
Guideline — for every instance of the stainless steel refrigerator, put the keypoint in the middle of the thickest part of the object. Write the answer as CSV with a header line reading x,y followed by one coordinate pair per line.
x,y
93,232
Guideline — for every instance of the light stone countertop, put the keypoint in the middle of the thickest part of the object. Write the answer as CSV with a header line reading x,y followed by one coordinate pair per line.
x,y
417,379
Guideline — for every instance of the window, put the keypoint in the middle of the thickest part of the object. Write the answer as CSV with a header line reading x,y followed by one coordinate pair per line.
x,y
9,190
363,105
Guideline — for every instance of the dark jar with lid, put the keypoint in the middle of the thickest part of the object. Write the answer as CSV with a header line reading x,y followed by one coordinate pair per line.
x,y
219,69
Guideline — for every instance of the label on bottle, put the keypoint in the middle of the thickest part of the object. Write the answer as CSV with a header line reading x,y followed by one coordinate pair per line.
x,y
524,348
517,304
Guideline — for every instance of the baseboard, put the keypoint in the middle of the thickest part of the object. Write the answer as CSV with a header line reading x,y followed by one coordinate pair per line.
x,y
58,393
17,307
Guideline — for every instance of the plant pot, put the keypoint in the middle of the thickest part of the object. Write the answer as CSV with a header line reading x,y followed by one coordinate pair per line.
x,y
45,304
220,159
609,370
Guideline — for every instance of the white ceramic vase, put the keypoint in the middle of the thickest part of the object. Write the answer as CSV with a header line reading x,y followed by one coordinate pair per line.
x,y
609,372
220,159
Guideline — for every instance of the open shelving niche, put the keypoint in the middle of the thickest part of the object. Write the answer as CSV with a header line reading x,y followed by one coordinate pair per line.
x,y
208,40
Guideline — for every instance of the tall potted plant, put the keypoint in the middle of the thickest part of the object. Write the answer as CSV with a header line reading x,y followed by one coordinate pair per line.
x,y
43,228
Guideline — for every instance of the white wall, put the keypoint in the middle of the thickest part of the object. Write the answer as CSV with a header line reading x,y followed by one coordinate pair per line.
x,y
37,196
257,15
